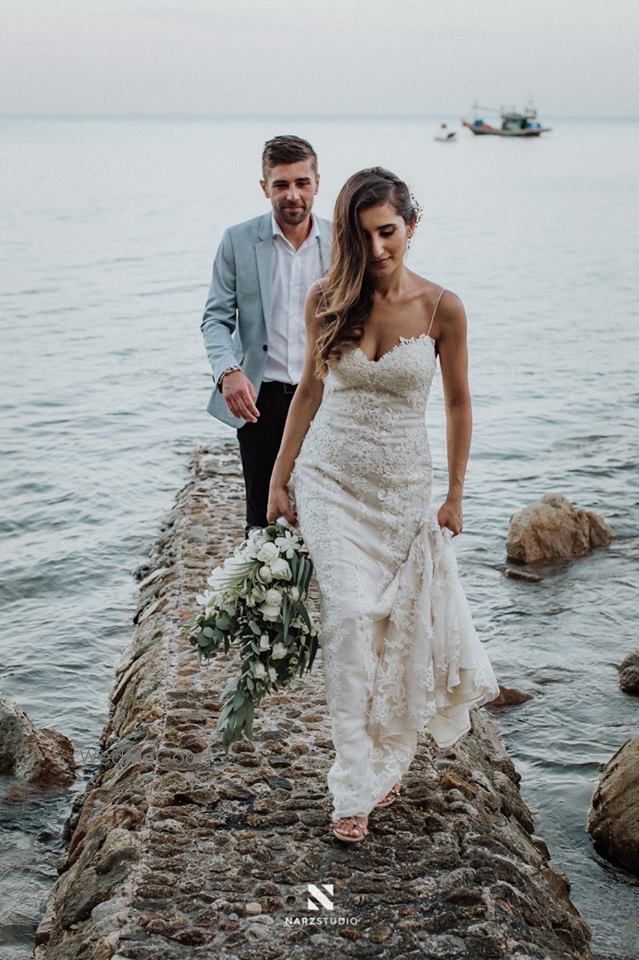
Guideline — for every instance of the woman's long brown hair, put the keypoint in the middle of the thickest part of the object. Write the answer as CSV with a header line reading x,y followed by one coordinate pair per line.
x,y
346,294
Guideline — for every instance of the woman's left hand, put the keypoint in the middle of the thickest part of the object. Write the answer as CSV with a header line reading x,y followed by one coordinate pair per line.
x,y
450,515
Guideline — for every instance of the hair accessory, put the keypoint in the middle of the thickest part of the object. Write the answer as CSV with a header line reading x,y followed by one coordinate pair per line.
x,y
417,207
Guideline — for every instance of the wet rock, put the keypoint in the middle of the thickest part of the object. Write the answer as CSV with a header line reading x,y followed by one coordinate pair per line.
x,y
198,534
613,818
380,934
629,673
211,465
444,946
119,845
151,578
40,756
510,697
522,575
88,891
554,530
450,781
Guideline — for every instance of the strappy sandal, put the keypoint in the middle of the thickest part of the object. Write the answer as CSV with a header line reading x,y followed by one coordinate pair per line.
x,y
349,838
390,797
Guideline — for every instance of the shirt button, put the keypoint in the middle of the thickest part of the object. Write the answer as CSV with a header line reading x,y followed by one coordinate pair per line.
x,y
264,346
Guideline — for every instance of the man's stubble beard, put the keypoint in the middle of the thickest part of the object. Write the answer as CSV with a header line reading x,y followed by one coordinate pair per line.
x,y
293,217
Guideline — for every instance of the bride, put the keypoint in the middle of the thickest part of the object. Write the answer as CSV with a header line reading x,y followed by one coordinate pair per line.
x,y
399,650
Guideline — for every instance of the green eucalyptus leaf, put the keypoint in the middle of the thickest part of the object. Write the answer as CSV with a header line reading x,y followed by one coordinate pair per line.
x,y
313,651
303,613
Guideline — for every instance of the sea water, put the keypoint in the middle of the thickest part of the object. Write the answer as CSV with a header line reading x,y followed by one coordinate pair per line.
x,y
109,227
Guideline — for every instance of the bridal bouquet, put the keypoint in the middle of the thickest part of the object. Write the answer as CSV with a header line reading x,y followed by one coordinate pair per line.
x,y
257,599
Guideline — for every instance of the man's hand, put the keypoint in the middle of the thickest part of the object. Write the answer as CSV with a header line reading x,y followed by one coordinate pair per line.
x,y
240,396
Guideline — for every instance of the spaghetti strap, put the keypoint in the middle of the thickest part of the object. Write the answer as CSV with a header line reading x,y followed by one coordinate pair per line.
x,y
434,311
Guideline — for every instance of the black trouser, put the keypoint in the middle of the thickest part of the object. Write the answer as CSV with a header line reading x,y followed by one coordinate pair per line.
x,y
259,445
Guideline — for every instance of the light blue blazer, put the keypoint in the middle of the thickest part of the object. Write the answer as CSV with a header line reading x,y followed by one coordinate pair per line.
x,y
238,308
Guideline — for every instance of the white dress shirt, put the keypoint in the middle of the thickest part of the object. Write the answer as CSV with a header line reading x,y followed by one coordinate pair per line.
x,y
293,273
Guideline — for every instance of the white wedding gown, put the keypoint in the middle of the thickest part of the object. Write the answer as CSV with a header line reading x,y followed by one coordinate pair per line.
x,y
399,649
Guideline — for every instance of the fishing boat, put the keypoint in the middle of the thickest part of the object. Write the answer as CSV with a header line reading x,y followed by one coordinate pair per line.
x,y
514,123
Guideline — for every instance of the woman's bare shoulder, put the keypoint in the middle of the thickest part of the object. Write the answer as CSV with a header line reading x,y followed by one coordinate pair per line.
x,y
451,305
434,296
315,299
316,291
449,322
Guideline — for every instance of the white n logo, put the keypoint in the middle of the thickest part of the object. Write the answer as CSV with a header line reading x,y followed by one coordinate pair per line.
x,y
320,897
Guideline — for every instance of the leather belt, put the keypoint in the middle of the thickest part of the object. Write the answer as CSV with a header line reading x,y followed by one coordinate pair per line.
x,y
279,386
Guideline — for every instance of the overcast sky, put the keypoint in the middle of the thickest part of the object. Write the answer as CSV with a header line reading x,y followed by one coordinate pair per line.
x,y
574,57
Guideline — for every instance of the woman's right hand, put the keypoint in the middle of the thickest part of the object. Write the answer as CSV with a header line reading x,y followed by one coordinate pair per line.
x,y
279,505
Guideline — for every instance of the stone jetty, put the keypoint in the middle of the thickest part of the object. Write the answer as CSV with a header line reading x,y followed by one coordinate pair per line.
x,y
178,850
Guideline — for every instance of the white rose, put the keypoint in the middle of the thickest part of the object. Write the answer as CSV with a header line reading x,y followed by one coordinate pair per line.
x,y
270,612
280,569
287,544
273,597
259,670
265,573
268,552
272,672
254,544
265,643
279,651
295,593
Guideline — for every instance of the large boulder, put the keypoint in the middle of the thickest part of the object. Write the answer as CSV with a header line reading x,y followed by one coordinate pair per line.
x,y
41,757
613,818
629,673
554,530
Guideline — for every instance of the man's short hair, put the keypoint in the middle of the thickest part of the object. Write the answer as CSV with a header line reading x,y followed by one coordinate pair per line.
x,y
286,149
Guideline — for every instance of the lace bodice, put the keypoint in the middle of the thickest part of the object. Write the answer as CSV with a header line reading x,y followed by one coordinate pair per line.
x,y
404,373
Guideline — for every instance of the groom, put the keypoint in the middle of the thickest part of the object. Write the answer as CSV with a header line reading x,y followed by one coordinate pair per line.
x,y
253,323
